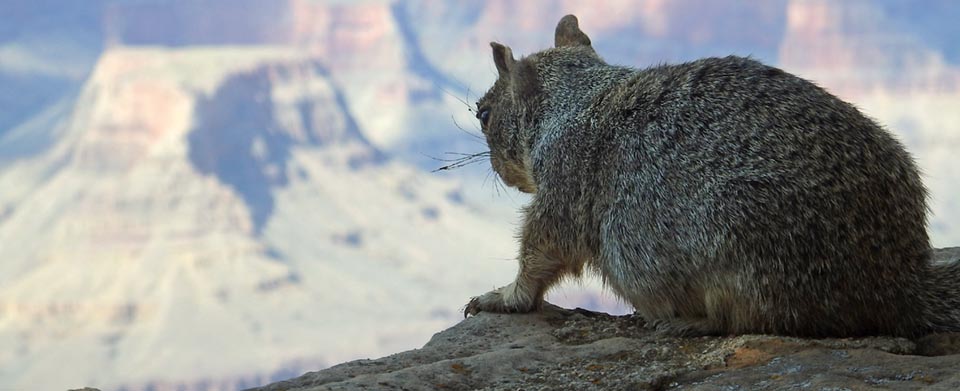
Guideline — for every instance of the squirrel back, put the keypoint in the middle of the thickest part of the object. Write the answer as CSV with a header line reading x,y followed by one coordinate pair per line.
x,y
716,196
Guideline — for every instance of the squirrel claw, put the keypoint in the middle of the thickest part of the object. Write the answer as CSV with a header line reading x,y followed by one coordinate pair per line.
x,y
472,308
502,300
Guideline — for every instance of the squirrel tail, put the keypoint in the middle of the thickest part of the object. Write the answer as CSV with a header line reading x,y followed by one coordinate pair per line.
x,y
944,295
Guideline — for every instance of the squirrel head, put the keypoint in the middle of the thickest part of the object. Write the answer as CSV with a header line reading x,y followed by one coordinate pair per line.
x,y
528,92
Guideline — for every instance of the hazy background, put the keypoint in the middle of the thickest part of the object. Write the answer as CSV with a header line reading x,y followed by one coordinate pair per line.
x,y
217,194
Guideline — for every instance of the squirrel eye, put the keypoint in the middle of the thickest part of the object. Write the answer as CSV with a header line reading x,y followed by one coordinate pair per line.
x,y
483,115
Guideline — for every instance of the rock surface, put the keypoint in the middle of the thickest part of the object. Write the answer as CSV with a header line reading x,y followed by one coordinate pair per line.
x,y
582,350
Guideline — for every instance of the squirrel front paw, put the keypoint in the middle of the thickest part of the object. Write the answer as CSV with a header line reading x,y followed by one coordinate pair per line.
x,y
503,300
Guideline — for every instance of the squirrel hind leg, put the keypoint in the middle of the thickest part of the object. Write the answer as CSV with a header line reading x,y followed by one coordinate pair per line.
x,y
684,327
720,313
938,344
681,316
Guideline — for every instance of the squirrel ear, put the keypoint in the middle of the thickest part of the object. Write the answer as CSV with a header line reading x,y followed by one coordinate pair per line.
x,y
503,58
569,34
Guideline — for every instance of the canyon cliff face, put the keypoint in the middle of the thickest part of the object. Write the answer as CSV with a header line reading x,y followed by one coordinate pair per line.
x,y
202,200
209,196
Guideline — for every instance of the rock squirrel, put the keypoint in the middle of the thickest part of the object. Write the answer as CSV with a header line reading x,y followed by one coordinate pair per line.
x,y
718,196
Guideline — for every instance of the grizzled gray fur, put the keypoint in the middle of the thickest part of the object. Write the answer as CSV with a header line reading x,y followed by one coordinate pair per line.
x,y
719,196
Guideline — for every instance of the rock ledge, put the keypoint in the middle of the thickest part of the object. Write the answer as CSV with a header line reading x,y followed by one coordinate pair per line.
x,y
582,350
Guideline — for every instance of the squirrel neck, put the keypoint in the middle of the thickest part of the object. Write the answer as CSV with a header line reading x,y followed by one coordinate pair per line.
x,y
569,94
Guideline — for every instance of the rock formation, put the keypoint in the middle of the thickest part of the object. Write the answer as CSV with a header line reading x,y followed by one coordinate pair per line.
x,y
583,350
